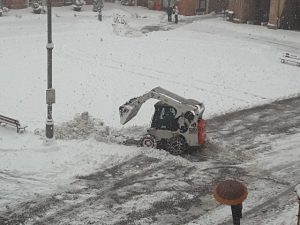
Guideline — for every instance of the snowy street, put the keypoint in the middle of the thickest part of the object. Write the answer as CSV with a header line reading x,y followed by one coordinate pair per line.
x,y
155,187
87,176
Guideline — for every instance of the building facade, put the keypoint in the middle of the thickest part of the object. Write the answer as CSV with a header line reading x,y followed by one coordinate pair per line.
x,y
16,4
21,4
189,7
283,14
193,7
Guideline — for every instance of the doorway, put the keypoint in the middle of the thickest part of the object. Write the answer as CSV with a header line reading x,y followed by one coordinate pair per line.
x,y
202,5
262,10
290,17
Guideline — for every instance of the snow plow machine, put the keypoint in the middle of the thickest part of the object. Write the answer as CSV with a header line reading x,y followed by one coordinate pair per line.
x,y
177,122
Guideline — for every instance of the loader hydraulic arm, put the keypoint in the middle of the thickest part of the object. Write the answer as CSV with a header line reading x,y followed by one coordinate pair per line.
x,y
130,109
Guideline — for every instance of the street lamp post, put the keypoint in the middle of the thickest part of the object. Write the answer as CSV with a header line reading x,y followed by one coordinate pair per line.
x,y
99,8
50,93
1,7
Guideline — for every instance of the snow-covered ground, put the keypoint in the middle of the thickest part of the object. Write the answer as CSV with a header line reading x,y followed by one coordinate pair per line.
x,y
97,66
227,66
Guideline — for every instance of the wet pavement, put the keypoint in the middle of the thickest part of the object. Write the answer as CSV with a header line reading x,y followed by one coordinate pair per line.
x,y
165,26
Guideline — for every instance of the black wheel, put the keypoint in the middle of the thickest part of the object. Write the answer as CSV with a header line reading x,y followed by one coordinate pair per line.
x,y
162,144
176,145
148,141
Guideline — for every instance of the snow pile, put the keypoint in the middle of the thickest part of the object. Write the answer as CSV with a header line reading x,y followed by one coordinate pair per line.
x,y
122,28
30,168
120,19
245,71
3,10
84,127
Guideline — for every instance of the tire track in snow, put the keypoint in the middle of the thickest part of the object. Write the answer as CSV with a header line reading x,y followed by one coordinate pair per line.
x,y
273,205
134,191
162,185
198,80
146,75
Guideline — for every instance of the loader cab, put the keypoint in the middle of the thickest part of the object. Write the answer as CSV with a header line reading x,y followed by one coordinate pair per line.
x,y
164,117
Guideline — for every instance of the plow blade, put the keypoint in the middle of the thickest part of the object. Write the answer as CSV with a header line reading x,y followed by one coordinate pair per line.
x,y
128,111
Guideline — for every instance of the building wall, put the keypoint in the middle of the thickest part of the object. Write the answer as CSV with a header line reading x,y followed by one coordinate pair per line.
x,y
191,7
217,5
283,14
289,19
57,2
88,2
231,5
255,11
187,7
276,9
154,4
142,3
16,4
243,10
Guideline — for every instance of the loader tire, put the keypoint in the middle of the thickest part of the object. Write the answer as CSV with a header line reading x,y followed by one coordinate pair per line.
x,y
148,141
176,145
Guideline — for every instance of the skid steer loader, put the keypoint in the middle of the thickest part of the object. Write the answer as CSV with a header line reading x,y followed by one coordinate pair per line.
x,y
176,124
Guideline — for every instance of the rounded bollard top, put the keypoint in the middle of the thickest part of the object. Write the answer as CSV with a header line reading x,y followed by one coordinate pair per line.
x,y
230,192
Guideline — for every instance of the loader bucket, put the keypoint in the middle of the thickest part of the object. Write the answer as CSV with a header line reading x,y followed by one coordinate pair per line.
x,y
127,112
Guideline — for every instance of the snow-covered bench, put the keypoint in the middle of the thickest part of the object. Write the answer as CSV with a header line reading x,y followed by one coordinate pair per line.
x,y
12,122
290,58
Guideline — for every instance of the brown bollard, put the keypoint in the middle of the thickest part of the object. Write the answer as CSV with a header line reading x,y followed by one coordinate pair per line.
x,y
233,193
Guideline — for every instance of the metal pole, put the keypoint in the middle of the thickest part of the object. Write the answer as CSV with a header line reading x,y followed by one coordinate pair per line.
x,y
100,6
236,211
50,91
1,7
100,14
298,211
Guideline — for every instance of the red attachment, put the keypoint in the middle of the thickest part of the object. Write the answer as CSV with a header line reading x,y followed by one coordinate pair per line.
x,y
201,132
156,6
